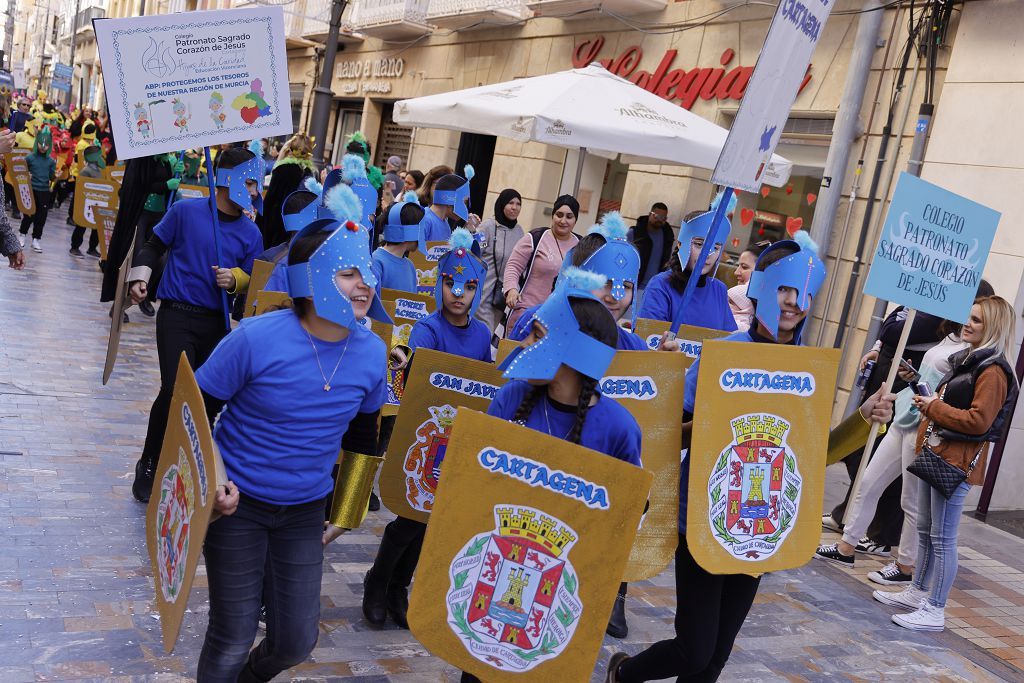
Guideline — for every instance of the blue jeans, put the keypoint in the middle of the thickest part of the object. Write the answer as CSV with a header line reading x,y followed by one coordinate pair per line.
x,y
262,554
938,521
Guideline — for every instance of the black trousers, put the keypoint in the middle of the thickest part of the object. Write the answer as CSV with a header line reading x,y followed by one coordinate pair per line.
x,y
197,334
38,220
407,535
710,609
78,236
143,231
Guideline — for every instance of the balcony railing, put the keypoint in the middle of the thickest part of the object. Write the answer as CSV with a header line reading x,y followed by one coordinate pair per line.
x,y
391,19
577,9
465,14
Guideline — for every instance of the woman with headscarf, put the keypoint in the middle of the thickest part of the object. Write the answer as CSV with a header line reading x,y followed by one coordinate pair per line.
x,y
530,273
500,235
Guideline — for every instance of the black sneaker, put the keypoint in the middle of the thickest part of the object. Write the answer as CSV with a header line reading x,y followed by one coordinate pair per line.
x,y
891,575
77,253
93,252
374,502
868,546
145,470
147,308
831,552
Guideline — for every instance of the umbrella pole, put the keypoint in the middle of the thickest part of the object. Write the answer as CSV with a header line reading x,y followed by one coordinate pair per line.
x,y
579,172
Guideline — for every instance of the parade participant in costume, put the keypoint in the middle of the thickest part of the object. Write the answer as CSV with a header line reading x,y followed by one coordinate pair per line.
x,y
299,385
967,412
9,245
451,194
426,188
537,257
499,235
709,305
93,157
86,137
742,308
451,329
711,608
194,173
294,164
391,264
142,202
26,138
43,169
191,317
358,144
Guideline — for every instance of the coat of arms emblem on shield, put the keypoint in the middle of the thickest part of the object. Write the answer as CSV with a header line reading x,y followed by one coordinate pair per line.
x,y
173,516
754,488
422,465
514,595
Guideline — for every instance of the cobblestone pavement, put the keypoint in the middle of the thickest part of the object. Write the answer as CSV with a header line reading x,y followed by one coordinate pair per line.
x,y
76,598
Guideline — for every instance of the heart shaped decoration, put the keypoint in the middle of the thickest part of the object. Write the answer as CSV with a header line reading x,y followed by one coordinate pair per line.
x,y
746,215
765,190
793,225
811,198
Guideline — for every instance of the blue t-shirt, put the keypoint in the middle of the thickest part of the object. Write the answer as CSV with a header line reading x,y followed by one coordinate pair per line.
x,y
435,332
608,428
709,306
280,432
435,229
394,272
278,280
628,341
187,230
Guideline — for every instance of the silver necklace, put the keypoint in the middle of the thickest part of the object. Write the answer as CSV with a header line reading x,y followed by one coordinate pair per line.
x,y
316,354
547,419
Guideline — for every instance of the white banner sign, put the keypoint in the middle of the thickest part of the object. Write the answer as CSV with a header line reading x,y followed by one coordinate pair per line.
x,y
195,79
780,68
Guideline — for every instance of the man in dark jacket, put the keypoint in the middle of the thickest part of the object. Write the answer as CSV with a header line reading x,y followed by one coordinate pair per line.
x,y
653,237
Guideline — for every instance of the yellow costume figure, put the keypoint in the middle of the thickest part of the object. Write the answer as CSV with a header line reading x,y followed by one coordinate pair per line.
x,y
26,139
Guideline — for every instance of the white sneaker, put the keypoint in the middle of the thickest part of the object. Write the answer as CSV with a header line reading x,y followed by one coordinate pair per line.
x,y
21,239
37,247
926,618
831,524
910,597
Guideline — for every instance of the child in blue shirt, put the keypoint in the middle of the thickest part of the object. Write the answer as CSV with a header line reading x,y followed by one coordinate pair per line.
x,y
709,305
299,385
191,317
451,329
711,608
402,230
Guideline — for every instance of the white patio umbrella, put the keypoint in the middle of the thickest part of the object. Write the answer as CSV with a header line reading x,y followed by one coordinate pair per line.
x,y
587,109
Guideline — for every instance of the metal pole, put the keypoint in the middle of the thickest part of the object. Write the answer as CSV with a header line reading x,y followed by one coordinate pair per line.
x,y
579,172
323,96
74,36
847,126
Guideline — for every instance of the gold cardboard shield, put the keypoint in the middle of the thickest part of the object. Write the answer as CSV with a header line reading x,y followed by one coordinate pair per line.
x,y
757,459
650,386
690,337
438,384
19,178
426,266
261,271
180,506
90,194
117,312
409,305
524,552
192,191
505,347
115,172
267,301
396,334
105,220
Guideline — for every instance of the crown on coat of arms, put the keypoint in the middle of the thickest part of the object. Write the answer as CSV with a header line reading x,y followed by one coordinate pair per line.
x,y
759,428
544,530
445,416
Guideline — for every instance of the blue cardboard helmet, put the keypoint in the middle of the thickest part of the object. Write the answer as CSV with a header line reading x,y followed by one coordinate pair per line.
x,y
394,229
294,222
234,180
565,343
345,248
617,260
698,227
802,271
458,198
353,173
462,267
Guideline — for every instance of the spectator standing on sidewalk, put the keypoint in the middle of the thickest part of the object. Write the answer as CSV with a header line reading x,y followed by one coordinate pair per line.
x,y
10,246
43,169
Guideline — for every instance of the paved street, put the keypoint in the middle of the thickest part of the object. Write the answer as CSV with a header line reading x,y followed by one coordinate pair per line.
x,y
76,598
